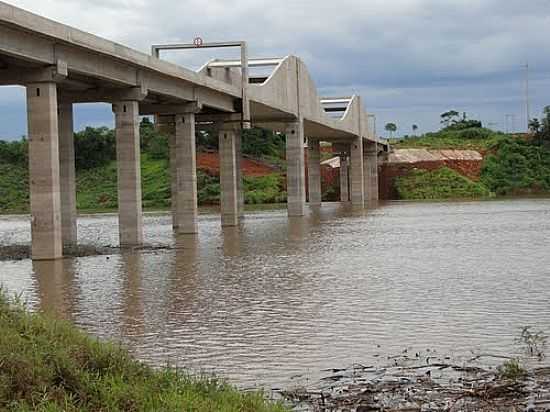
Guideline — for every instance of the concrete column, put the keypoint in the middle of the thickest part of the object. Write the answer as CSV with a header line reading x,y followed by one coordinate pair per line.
x,y
165,124
186,174
344,179
371,172
228,178
67,174
357,180
314,171
130,219
47,242
295,170
240,183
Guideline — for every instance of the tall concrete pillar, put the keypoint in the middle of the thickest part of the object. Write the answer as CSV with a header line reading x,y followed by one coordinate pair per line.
x,y
130,217
240,183
314,171
67,174
344,179
357,177
295,170
47,242
228,177
186,174
165,124
371,172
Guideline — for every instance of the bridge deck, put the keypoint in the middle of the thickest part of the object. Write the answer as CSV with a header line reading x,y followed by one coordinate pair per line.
x,y
96,67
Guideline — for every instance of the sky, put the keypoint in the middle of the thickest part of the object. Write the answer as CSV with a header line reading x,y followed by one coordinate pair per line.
x,y
411,60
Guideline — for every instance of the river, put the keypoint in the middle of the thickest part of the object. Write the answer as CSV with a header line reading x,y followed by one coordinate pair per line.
x,y
276,301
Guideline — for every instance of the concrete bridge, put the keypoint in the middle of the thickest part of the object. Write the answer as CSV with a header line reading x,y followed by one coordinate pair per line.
x,y
61,66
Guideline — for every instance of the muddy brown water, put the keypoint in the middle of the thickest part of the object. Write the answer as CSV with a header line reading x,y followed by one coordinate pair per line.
x,y
276,301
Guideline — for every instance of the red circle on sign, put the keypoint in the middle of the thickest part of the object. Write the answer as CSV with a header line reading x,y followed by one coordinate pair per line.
x,y
197,41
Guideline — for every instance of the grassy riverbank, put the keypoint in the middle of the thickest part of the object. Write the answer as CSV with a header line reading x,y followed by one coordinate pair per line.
x,y
49,365
512,165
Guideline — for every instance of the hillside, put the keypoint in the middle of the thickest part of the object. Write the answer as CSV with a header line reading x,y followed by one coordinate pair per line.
x,y
511,165
262,166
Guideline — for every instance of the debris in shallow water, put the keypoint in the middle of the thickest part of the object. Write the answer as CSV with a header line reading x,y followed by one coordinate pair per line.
x,y
409,384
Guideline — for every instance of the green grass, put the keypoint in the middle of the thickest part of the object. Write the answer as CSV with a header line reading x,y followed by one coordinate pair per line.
x,y
443,183
473,139
264,189
14,188
49,365
97,187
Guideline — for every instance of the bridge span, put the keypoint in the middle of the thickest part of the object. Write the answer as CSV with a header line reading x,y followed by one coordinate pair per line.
x,y
61,66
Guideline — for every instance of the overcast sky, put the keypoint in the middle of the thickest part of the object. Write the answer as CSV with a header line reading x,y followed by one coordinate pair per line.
x,y
410,59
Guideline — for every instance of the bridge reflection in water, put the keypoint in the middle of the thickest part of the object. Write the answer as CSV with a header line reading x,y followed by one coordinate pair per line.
x,y
279,297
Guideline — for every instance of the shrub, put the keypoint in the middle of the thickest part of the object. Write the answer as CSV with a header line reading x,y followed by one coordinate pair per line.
x,y
15,152
443,183
517,167
511,370
264,189
94,147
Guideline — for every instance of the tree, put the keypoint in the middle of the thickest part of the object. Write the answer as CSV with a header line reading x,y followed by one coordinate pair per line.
x,y
534,125
415,128
448,117
391,127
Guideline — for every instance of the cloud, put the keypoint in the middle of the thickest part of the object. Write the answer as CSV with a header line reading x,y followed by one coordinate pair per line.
x,y
403,56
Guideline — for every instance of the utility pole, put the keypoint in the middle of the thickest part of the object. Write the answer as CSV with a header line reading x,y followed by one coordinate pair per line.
x,y
510,120
527,105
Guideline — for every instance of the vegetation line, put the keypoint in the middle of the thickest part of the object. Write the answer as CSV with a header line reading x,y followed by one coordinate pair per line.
x,y
49,365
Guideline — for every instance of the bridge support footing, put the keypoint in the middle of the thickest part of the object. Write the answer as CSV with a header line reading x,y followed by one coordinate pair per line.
x,y
314,172
47,241
130,216
295,173
67,175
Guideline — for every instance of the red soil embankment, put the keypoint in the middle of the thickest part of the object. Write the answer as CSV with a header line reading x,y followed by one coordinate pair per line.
x,y
209,162
402,161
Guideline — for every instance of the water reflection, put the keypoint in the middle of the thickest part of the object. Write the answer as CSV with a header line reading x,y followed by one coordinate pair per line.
x,y
57,289
278,297
231,241
133,317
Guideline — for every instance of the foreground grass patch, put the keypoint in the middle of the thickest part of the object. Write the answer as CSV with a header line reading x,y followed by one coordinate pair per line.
x,y
48,365
442,183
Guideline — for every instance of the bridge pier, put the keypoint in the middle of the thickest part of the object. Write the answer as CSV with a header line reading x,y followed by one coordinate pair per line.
x,y
165,124
229,196
67,174
371,172
186,174
45,197
238,162
130,216
357,177
344,179
314,171
295,173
